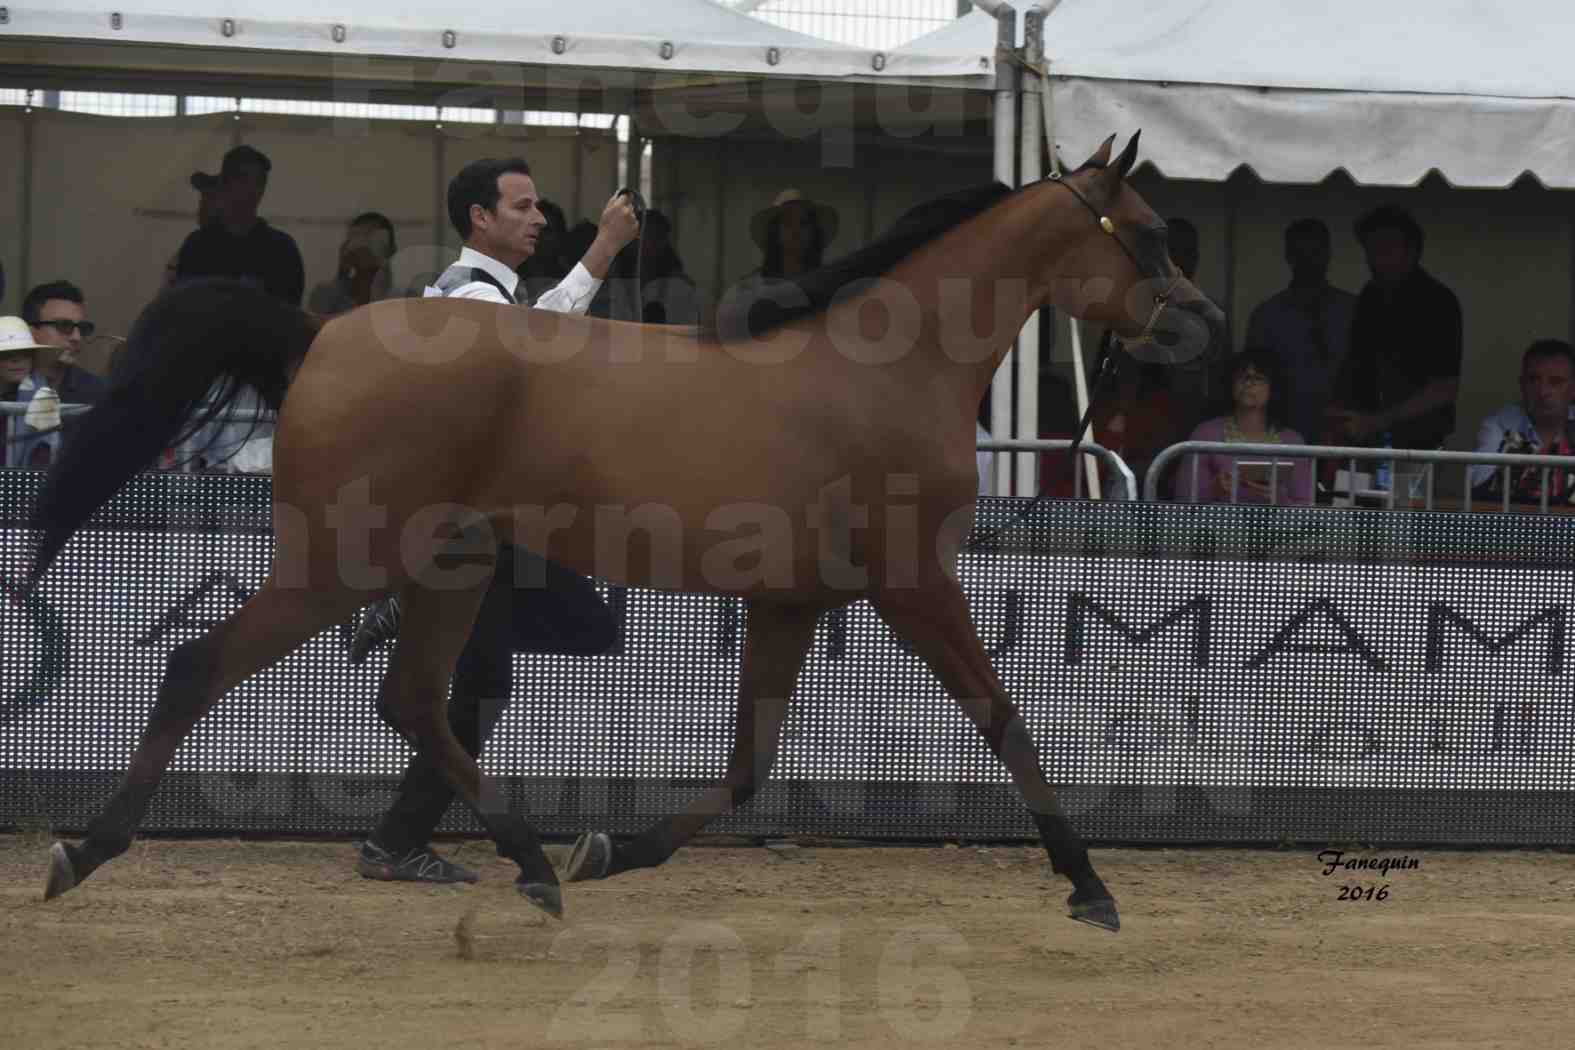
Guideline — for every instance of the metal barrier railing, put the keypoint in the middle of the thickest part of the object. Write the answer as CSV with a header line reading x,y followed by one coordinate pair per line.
x,y
1430,458
244,415
1129,488
13,433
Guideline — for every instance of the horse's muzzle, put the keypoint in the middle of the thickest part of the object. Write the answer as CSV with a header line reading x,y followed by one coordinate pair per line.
x,y
1183,332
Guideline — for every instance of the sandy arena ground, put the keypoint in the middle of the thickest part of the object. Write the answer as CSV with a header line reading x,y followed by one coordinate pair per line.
x,y
222,945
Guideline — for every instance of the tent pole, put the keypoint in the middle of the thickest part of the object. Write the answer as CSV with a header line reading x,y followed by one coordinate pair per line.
x,y
23,279
1036,27
1005,128
1028,169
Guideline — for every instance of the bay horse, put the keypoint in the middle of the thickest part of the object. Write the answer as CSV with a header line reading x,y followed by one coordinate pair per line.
x,y
824,456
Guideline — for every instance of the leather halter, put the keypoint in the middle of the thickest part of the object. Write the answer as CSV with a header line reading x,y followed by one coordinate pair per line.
x,y
1161,301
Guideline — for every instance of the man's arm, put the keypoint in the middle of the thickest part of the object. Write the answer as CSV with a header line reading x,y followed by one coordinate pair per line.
x,y
294,273
574,293
1447,337
1438,393
186,258
1490,438
1258,327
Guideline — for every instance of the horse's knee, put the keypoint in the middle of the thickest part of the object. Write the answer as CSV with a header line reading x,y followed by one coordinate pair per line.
x,y
739,794
397,712
1015,733
190,663
188,679
743,784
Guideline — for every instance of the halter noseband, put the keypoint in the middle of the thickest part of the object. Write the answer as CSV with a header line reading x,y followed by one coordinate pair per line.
x,y
1161,301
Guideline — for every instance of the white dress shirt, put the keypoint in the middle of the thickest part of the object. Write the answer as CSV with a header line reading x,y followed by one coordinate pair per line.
x,y
573,294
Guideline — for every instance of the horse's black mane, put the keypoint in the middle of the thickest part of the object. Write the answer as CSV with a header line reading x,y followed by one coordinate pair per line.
x,y
759,311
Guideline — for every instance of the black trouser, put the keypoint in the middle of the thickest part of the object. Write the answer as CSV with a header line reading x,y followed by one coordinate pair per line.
x,y
532,605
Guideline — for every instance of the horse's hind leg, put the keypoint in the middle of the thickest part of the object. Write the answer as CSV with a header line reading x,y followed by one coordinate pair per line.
x,y
197,674
935,620
434,625
777,638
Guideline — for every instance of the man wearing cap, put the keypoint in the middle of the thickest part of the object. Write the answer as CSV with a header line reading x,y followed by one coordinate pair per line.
x,y
238,243
207,187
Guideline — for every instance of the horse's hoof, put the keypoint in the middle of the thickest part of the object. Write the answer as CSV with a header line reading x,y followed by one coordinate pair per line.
x,y
1096,911
62,873
590,858
547,897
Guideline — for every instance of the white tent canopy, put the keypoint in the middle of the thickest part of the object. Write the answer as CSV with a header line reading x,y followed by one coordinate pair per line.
x,y
1386,91
672,36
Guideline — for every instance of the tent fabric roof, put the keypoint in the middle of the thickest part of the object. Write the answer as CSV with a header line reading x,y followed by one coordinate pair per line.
x,y
1436,47
1384,91
1443,47
672,36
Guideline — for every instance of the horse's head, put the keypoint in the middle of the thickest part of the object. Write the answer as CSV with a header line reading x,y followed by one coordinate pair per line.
x,y
1120,274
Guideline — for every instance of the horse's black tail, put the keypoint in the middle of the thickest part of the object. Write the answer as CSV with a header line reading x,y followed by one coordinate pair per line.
x,y
186,340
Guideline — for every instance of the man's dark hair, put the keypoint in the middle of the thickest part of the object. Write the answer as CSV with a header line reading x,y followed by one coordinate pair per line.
x,y
1544,349
557,221
1306,230
1391,217
242,158
43,293
382,222
477,183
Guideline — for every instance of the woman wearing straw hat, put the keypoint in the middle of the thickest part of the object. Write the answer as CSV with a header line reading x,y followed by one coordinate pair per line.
x,y
18,354
793,234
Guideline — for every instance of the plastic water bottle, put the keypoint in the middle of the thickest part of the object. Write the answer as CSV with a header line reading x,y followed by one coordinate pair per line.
x,y
1384,475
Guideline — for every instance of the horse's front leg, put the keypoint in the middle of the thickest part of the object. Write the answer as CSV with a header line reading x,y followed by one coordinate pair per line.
x,y
935,620
777,637
435,623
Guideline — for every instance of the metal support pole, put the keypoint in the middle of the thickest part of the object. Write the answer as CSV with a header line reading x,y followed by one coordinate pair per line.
x,y
719,231
635,152
1005,132
577,202
1027,424
24,278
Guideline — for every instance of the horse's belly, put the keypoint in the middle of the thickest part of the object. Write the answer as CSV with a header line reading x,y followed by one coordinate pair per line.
x,y
807,543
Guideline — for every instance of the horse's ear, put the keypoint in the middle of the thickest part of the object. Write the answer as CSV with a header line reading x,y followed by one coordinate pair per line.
x,y
1101,157
1128,156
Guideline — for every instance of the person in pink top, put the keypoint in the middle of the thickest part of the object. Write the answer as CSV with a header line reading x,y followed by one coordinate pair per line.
x,y
1258,395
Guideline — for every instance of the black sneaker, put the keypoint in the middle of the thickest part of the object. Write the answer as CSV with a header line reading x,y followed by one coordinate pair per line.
x,y
419,865
379,625
591,857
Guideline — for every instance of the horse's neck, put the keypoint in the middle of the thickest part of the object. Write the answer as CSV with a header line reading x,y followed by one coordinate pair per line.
x,y
977,285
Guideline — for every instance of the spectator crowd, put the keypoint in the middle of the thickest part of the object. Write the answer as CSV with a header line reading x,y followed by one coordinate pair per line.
x,y
1320,365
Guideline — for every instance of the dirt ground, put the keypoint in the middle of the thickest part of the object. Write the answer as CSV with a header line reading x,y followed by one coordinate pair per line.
x,y
224,945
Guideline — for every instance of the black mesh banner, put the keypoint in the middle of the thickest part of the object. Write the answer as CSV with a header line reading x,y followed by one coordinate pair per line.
x,y
1191,674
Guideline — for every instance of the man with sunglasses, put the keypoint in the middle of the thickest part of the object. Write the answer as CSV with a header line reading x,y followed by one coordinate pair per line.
x,y
57,314
57,318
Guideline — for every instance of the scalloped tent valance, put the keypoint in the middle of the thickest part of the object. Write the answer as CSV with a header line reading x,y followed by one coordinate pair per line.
x,y
1388,92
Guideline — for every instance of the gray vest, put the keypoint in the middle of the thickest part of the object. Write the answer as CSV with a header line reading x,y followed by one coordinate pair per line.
x,y
457,276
